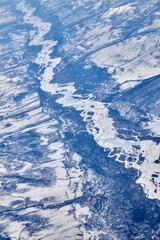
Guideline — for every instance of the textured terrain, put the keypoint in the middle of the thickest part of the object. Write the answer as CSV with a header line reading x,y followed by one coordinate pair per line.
x,y
80,120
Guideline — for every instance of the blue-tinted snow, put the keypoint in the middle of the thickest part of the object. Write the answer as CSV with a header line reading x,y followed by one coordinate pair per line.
x,y
79,85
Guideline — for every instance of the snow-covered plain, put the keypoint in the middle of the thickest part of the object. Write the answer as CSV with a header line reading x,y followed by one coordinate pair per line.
x,y
46,177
